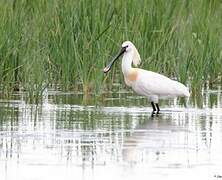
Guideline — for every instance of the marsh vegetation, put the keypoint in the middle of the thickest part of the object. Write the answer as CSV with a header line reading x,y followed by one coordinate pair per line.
x,y
65,44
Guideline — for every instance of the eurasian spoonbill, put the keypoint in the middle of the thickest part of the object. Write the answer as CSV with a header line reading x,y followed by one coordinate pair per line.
x,y
147,83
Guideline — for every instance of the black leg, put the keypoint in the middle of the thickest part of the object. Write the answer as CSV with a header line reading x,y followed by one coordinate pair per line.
x,y
154,108
158,109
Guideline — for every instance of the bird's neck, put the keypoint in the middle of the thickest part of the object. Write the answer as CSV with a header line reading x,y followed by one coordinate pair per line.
x,y
127,63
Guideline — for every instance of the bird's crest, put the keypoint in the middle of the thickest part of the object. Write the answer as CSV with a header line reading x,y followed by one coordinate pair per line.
x,y
136,57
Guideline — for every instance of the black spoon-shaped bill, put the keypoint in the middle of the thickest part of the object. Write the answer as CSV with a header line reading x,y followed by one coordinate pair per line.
x,y
108,67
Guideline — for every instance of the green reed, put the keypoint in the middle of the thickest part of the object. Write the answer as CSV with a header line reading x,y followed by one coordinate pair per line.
x,y
66,43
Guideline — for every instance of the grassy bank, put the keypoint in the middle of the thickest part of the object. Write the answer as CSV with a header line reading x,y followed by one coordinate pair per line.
x,y
66,43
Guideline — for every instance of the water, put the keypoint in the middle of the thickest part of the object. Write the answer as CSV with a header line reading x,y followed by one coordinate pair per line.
x,y
117,139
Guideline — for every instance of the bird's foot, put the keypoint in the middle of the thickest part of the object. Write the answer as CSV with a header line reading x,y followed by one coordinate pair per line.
x,y
158,113
156,109
155,113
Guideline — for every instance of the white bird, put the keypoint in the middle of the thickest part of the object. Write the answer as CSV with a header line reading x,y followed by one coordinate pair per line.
x,y
147,83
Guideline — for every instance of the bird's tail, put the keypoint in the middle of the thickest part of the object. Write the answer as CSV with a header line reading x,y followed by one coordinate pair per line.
x,y
182,89
186,92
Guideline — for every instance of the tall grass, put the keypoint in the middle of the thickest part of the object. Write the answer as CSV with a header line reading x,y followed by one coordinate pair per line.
x,y
66,43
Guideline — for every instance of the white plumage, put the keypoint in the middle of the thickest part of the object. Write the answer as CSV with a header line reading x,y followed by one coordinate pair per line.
x,y
147,83
156,86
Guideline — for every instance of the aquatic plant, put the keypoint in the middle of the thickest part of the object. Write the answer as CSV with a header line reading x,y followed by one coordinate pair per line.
x,y
65,44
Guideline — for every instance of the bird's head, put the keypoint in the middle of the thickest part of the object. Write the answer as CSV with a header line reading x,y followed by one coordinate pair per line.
x,y
127,47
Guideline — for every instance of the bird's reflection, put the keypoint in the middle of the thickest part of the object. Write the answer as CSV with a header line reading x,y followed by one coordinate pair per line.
x,y
166,136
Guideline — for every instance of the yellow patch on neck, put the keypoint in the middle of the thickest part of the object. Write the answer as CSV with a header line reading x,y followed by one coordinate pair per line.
x,y
132,76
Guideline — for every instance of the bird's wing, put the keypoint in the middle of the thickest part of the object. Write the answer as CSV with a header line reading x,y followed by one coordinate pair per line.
x,y
151,83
